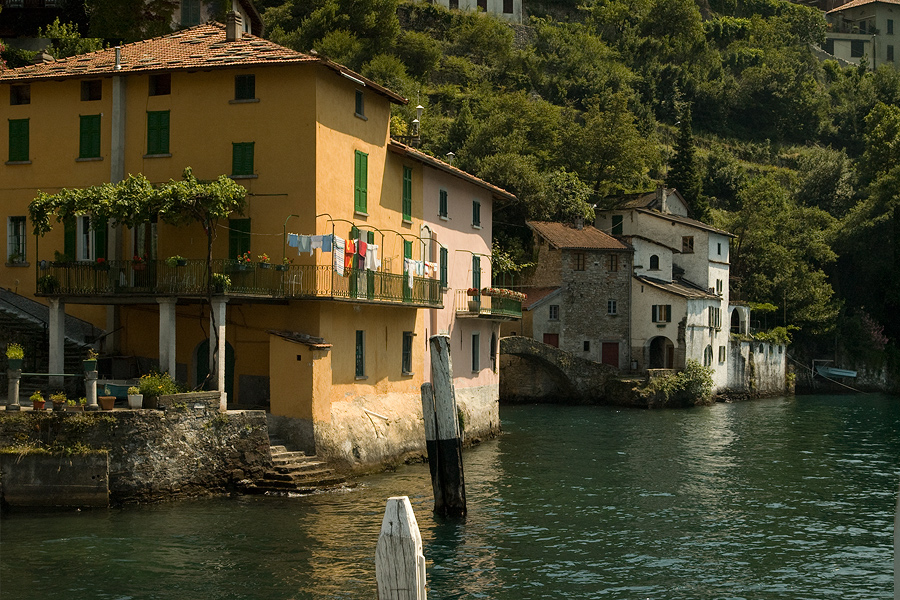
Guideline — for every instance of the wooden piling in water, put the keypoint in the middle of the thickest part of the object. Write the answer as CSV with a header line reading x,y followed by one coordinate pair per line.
x,y
399,560
445,453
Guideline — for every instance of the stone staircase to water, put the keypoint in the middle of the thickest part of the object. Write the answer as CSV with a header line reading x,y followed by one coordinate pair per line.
x,y
295,472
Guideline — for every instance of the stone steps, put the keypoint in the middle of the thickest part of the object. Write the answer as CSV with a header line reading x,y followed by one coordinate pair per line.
x,y
295,472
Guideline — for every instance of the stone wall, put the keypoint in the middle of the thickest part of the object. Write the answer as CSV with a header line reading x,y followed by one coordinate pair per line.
x,y
154,454
756,369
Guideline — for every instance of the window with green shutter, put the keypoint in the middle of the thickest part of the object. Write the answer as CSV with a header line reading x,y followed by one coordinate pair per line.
x,y
190,12
476,272
406,357
407,253
245,87
89,144
407,194
238,237
158,132
442,204
18,140
476,213
444,261
70,238
360,188
242,158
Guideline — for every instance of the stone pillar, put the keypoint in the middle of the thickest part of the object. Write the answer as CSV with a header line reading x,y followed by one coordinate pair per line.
x,y
12,400
57,341
217,347
167,335
90,386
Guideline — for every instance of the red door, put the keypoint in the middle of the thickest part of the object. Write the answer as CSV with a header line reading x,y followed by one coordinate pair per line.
x,y
610,355
552,339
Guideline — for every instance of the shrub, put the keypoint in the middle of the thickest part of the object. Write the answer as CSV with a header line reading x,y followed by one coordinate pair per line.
x,y
157,384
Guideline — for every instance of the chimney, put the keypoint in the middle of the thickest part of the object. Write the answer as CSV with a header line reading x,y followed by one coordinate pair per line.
x,y
660,194
579,223
42,57
233,29
118,65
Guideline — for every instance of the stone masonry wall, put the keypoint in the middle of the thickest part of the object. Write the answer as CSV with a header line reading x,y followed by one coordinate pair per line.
x,y
153,454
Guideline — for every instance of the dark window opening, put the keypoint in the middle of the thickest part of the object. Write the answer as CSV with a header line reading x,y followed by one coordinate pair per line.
x,y
245,87
617,224
91,90
161,84
20,94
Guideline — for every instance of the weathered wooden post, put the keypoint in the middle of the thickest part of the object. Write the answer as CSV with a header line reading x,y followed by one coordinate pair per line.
x,y
399,560
449,464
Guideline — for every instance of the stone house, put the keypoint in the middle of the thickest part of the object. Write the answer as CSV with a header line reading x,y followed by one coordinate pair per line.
x,y
585,302
859,28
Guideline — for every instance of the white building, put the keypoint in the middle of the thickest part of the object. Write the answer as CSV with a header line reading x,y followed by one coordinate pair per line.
x,y
869,28
511,10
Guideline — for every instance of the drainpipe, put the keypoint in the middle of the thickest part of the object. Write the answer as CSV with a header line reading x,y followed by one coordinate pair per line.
x,y
116,174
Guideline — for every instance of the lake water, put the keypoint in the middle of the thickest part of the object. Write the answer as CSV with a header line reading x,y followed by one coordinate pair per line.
x,y
785,498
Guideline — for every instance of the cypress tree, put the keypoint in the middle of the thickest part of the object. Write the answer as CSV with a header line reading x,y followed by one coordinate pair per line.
x,y
684,172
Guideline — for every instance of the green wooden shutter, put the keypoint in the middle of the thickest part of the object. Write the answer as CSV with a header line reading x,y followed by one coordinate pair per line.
x,y
444,260
476,272
70,238
370,269
361,175
100,241
89,141
407,194
238,237
18,140
476,213
242,158
158,132
245,87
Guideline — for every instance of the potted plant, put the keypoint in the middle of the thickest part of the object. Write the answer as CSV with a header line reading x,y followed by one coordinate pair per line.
x,y
135,398
58,399
15,354
154,385
75,406
220,282
472,292
90,363
106,402
139,263
37,401
101,264
47,284
243,262
176,261
263,260
285,264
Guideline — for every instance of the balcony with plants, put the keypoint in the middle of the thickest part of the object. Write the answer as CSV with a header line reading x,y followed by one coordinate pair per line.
x,y
496,304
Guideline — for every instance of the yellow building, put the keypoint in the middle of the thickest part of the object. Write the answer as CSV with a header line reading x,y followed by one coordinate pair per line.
x,y
337,356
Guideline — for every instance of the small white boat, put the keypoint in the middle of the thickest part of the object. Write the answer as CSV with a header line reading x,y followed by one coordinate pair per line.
x,y
834,372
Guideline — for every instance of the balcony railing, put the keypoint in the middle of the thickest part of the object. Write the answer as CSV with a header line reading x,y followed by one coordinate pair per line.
x,y
120,278
487,307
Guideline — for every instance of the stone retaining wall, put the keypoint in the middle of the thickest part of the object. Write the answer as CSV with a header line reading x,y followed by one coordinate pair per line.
x,y
154,454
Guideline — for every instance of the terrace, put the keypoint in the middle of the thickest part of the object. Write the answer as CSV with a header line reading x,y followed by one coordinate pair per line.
x,y
492,306
129,281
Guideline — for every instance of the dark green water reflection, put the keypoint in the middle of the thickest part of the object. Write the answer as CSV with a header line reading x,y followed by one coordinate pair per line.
x,y
788,498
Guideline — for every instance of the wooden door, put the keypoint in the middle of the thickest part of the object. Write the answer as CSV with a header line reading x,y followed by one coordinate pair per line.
x,y
610,354
552,339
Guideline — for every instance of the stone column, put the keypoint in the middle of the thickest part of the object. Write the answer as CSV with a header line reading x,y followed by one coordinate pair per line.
x,y
12,400
167,335
57,341
90,386
217,347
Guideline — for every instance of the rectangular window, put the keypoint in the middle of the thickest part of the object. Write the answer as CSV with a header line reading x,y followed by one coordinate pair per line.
x,y
719,287
476,272
890,53
245,87
687,244
360,104
360,178
829,46
442,204
476,213
613,262
719,248
578,261
238,237
482,4
662,313
554,312
617,225
241,159
85,239
721,354
454,4
406,367
91,90
15,240
444,260
715,317
857,48
18,140
890,26
190,12
89,138
587,346
20,94
157,132
476,352
507,7
161,84
612,307
360,353
407,194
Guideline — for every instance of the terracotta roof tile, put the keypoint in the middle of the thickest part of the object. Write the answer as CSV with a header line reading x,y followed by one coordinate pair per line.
x,y
563,235
535,295
855,3
202,46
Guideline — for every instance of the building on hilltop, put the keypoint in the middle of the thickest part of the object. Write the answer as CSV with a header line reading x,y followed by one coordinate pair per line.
x,y
864,28
335,349
510,10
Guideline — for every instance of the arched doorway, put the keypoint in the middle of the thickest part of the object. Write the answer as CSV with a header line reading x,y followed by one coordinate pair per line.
x,y
202,360
662,353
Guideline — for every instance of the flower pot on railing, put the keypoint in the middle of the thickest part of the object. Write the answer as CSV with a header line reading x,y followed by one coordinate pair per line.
x,y
14,364
90,364
106,402
140,266
264,265
474,306
135,400
38,404
281,267
181,262
101,265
